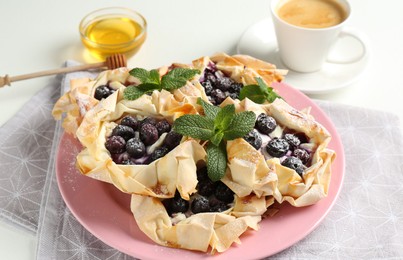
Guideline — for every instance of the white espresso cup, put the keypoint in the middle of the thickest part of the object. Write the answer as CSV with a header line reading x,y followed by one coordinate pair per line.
x,y
305,39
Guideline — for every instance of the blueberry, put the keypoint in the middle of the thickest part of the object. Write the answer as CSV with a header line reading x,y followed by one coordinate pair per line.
x,y
218,96
233,95
128,162
163,126
172,139
208,87
224,193
212,100
120,158
209,76
148,134
176,204
202,174
294,163
235,88
224,84
149,120
292,140
135,147
277,147
217,205
265,124
211,66
102,91
124,131
158,153
200,204
206,187
115,144
302,154
130,121
254,139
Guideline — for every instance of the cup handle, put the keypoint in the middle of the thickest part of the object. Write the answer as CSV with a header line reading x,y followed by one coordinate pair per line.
x,y
359,36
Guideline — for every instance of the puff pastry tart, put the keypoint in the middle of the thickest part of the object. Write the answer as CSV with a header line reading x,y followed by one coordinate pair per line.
x,y
294,148
132,145
85,93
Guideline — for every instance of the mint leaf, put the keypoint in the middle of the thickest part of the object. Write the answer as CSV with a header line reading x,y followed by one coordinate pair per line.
x,y
241,124
150,80
195,126
217,126
272,95
216,161
146,76
154,77
177,78
209,110
258,93
224,117
253,92
182,73
217,138
134,92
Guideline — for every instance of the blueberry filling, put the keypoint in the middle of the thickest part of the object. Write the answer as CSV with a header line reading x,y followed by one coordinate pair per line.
x,y
124,131
277,147
130,121
103,91
218,86
254,139
294,163
135,148
291,147
176,204
210,197
132,138
265,124
148,134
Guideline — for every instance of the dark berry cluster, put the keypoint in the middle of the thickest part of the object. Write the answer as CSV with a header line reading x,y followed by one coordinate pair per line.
x,y
210,197
103,91
288,146
218,87
130,138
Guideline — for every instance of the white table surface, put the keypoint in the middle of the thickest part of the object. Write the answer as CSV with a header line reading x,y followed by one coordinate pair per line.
x,y
39,35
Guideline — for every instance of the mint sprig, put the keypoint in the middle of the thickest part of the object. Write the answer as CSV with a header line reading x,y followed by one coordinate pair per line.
x,y
150,81
216,126
258,93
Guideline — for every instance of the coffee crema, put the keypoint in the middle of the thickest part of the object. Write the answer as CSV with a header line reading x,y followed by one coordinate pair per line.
x,y
312,13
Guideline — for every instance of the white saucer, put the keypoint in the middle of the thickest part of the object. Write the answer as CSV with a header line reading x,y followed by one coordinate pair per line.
x,y
259,41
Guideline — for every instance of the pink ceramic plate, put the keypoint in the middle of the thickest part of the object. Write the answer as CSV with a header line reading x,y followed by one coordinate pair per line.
x,y
105,211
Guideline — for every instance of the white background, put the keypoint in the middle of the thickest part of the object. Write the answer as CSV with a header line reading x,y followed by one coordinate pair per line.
x,y
39,35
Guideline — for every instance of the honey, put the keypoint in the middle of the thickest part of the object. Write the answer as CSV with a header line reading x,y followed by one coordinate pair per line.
x,y
108,34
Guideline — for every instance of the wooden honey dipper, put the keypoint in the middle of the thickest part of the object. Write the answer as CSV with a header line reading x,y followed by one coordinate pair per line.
x,y
112,62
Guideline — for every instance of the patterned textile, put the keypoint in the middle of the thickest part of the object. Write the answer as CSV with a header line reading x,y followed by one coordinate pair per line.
x,y
26,143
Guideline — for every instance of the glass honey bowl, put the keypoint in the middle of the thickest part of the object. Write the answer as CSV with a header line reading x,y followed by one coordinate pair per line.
x,y
113,30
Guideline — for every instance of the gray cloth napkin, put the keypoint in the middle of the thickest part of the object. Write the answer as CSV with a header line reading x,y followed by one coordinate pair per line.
x,y
366,221
25,145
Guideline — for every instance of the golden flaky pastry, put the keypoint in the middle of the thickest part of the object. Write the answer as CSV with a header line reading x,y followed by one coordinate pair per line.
x,y
160,178
256,171
202,231
80,98
241,68
313,185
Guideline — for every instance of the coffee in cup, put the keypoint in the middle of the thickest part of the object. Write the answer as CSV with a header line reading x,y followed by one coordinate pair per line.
x,y
307,29
312,13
